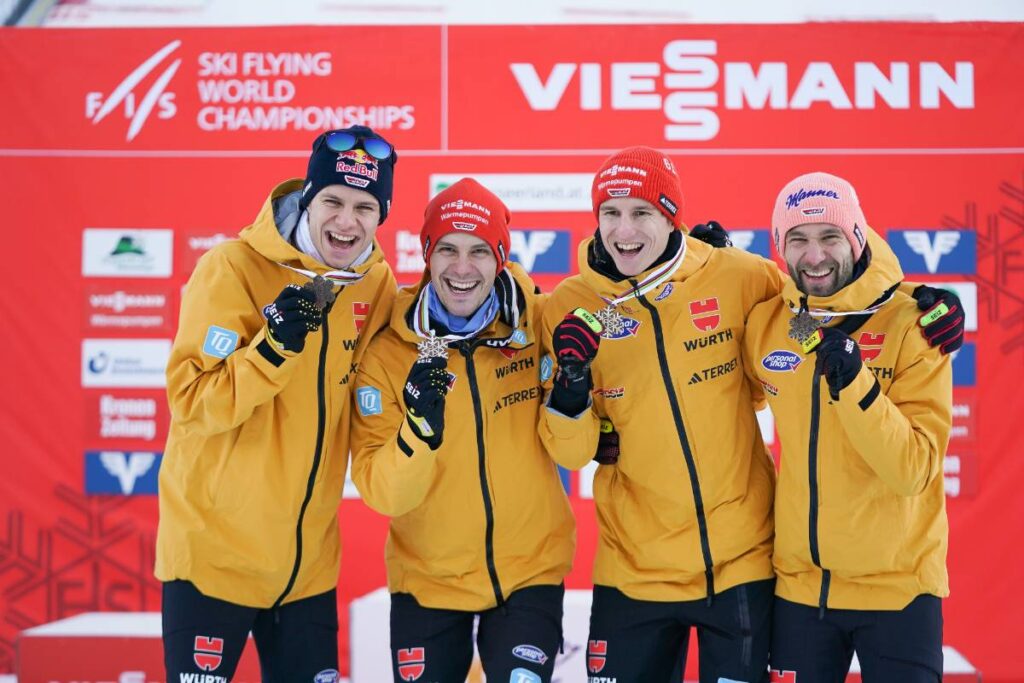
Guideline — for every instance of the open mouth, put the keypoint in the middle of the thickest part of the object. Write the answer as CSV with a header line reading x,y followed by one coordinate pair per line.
x,y
817,274
459,287
341,241
629,248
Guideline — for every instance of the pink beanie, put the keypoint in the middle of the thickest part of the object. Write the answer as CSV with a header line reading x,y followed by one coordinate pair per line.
x,y
819,198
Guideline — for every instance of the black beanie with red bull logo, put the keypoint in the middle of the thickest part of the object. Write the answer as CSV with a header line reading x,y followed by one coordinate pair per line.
x,y
355,168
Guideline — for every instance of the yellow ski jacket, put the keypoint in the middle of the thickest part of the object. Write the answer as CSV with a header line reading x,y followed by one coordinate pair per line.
x,y
255,458
486,513
687,510
860,517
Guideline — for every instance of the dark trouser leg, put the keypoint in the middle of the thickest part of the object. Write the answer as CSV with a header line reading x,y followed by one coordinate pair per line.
x,y
734,633
807,648
519,642
633,641
299,640
903,646
429,644
202,635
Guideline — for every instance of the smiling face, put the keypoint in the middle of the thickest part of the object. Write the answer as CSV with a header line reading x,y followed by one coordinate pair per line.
x,y
342,222
819,258
462,271
634,232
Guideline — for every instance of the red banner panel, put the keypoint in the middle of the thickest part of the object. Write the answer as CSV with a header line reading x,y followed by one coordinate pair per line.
x,y
126,155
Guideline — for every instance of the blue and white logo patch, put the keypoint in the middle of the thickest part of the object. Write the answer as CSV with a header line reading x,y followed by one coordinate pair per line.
x,y
629,329
530,653
541,251
523,676
547,368
519,337
368,401
753,241
935,251
327,676
220,342
965,366
781,361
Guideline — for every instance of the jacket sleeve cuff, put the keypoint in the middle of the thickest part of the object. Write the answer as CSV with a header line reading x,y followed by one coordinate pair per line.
x,y
411,445
862,392
266,354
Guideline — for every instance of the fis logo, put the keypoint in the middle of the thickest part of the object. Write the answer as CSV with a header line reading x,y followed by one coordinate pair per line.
x,y
753,241
965,366
935,251
412,662
870,345
121,473
98,105
541,251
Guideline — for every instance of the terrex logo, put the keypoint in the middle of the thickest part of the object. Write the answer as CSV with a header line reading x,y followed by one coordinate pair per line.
x,y
688,85
99,104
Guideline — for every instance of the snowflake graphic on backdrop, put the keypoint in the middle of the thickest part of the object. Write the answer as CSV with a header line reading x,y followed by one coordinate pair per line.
x,y
94,558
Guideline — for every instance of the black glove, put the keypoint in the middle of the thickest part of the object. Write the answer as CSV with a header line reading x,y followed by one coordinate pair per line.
x,y
943,323
291,317
607,444
711,233
838,359
425,391
575,342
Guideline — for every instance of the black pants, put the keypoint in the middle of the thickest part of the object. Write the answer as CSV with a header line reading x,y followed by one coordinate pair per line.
x,y
640,641
205,636
517,642
901,646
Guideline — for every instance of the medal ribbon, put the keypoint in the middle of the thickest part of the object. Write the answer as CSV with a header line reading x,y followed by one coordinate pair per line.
x,y
656,278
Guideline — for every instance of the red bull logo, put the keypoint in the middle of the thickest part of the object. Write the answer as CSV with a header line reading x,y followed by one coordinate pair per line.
x,y
704,314
357,162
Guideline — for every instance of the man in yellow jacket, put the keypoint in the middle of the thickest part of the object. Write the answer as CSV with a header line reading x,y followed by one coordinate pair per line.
x,y
272,327
445,443
685,511
863,410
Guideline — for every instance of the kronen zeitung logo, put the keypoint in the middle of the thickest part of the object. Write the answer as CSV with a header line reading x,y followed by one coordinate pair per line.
x,y
684,86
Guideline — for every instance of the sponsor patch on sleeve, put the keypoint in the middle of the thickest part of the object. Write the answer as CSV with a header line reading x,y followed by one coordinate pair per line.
x,y
368,401
220,342
547,368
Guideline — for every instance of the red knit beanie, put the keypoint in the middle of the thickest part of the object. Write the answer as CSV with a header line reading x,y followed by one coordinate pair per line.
x,y
641,173
469,207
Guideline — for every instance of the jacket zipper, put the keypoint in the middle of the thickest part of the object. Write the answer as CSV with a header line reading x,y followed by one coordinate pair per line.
x,y
466,348
321,421
691,465
812,480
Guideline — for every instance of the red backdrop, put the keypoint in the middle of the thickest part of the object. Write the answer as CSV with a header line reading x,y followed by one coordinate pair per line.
x,y
106,136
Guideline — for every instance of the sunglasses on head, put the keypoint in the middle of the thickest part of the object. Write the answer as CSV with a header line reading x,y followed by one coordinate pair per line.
x,y
341,141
